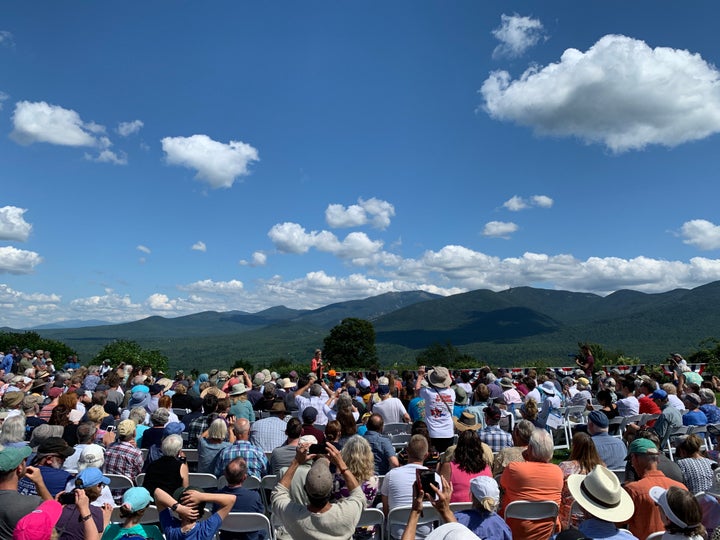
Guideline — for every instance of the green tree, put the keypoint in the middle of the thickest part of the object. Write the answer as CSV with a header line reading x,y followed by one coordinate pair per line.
x,y
351,344
445,355
708,353
34,341
132,353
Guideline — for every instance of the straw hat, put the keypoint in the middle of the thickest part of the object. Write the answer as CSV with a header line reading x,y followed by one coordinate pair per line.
x,y
467,421
440,376
214,391
601,494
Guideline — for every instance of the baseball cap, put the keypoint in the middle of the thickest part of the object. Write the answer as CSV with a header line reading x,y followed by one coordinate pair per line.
x,y
38,524
659,394
12,456
485,487
136,498
642,446
309,415
319,480
126,427
383,389
173,428
93,455
92,476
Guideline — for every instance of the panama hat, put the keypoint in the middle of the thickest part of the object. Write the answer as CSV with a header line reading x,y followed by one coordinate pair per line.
x,y
440,376
601,494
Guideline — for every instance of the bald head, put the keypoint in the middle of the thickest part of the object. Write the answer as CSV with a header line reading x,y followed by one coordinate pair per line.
x,y
242,428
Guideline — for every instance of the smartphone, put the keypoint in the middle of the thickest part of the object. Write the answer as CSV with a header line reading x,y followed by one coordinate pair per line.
x,y
320,448
67,498
110,428
426,479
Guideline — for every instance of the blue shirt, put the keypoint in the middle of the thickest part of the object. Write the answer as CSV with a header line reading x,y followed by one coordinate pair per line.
x,y
416,409
7,363
694,418
203,530
382,450
246,500
611,450
485,524
596,528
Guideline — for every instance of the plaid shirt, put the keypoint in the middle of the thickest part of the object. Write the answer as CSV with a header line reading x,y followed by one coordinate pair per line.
x,y
495,438
124,458
268,433
254,457
195,429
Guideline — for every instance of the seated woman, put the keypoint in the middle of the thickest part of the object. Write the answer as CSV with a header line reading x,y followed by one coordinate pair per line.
x,y
135,501
467,463
212,441
482,519
680,513
170,472
697,469
583,459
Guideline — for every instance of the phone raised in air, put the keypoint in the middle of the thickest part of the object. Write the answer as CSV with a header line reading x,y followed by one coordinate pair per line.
x,y
426,479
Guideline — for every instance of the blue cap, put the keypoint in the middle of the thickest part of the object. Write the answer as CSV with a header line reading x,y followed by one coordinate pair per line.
x,y
92,476
140,388
173,428
659,394
599,418
136,498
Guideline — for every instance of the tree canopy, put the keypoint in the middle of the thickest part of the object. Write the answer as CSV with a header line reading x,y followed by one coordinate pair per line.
x,y
132,353
445,355
351,344
34,341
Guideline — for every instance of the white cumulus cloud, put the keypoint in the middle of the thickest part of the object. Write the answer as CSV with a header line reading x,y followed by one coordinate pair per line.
x,y
620,93
215,287
42,122
128,128
374,211
144,249
701,233
108,156
18,261
516,34
258,259
499,229
216,163
517,203
293,238
199,246
12,224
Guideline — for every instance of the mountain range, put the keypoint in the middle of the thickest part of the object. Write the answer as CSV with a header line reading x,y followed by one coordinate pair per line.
x,y
512,327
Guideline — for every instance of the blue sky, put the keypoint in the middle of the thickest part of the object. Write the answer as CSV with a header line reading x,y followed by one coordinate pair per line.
x,y
166,158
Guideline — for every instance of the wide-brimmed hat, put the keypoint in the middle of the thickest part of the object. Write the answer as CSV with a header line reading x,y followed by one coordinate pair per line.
x,y
548,387
439,376
238,389
278,407
466,421
505,382
601,494
213,391
165,383
139,399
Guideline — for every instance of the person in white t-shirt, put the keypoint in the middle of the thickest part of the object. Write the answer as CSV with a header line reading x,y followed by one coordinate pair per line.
x,y
439,401
390,408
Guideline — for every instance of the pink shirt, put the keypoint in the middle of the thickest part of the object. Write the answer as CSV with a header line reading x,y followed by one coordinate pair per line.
x,y
461,482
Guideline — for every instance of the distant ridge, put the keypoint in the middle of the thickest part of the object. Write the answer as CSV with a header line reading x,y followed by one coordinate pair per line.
x,y
513,326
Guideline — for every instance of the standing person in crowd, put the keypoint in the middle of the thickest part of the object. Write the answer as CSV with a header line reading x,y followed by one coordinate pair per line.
x,y
269,433
316,364
390,408
586,361
439,399
241,406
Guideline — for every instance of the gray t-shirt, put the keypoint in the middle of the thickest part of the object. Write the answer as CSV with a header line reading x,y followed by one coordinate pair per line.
x,y
281,457
14,507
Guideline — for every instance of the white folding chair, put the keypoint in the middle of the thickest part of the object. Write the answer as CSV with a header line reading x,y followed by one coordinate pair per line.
x,y
373,517
620,473
119,484
670,438
460,506
533,511
139,479
396,427
191,455
400,515
252,482
656,535
203,480
267,484
151,516
239,522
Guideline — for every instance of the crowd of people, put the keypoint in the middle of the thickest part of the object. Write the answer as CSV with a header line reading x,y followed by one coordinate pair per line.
x,y
642,458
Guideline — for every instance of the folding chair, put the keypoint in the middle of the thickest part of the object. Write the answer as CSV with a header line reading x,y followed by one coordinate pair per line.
x,y
400,440
267,484
373,517
669,438
700,431
180,413
620,473
533,511
191,455
139,479
251,482
394,428
656,535
239,522
460,506
203,480
119,484
400,515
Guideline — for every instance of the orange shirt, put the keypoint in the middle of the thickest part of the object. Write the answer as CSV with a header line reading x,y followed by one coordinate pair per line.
x,y
646,519
531,481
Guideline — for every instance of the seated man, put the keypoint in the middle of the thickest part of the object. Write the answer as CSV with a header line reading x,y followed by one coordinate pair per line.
x,y
246,500
319,518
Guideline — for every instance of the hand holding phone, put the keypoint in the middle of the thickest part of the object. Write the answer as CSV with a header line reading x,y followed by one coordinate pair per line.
x,y
425,479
